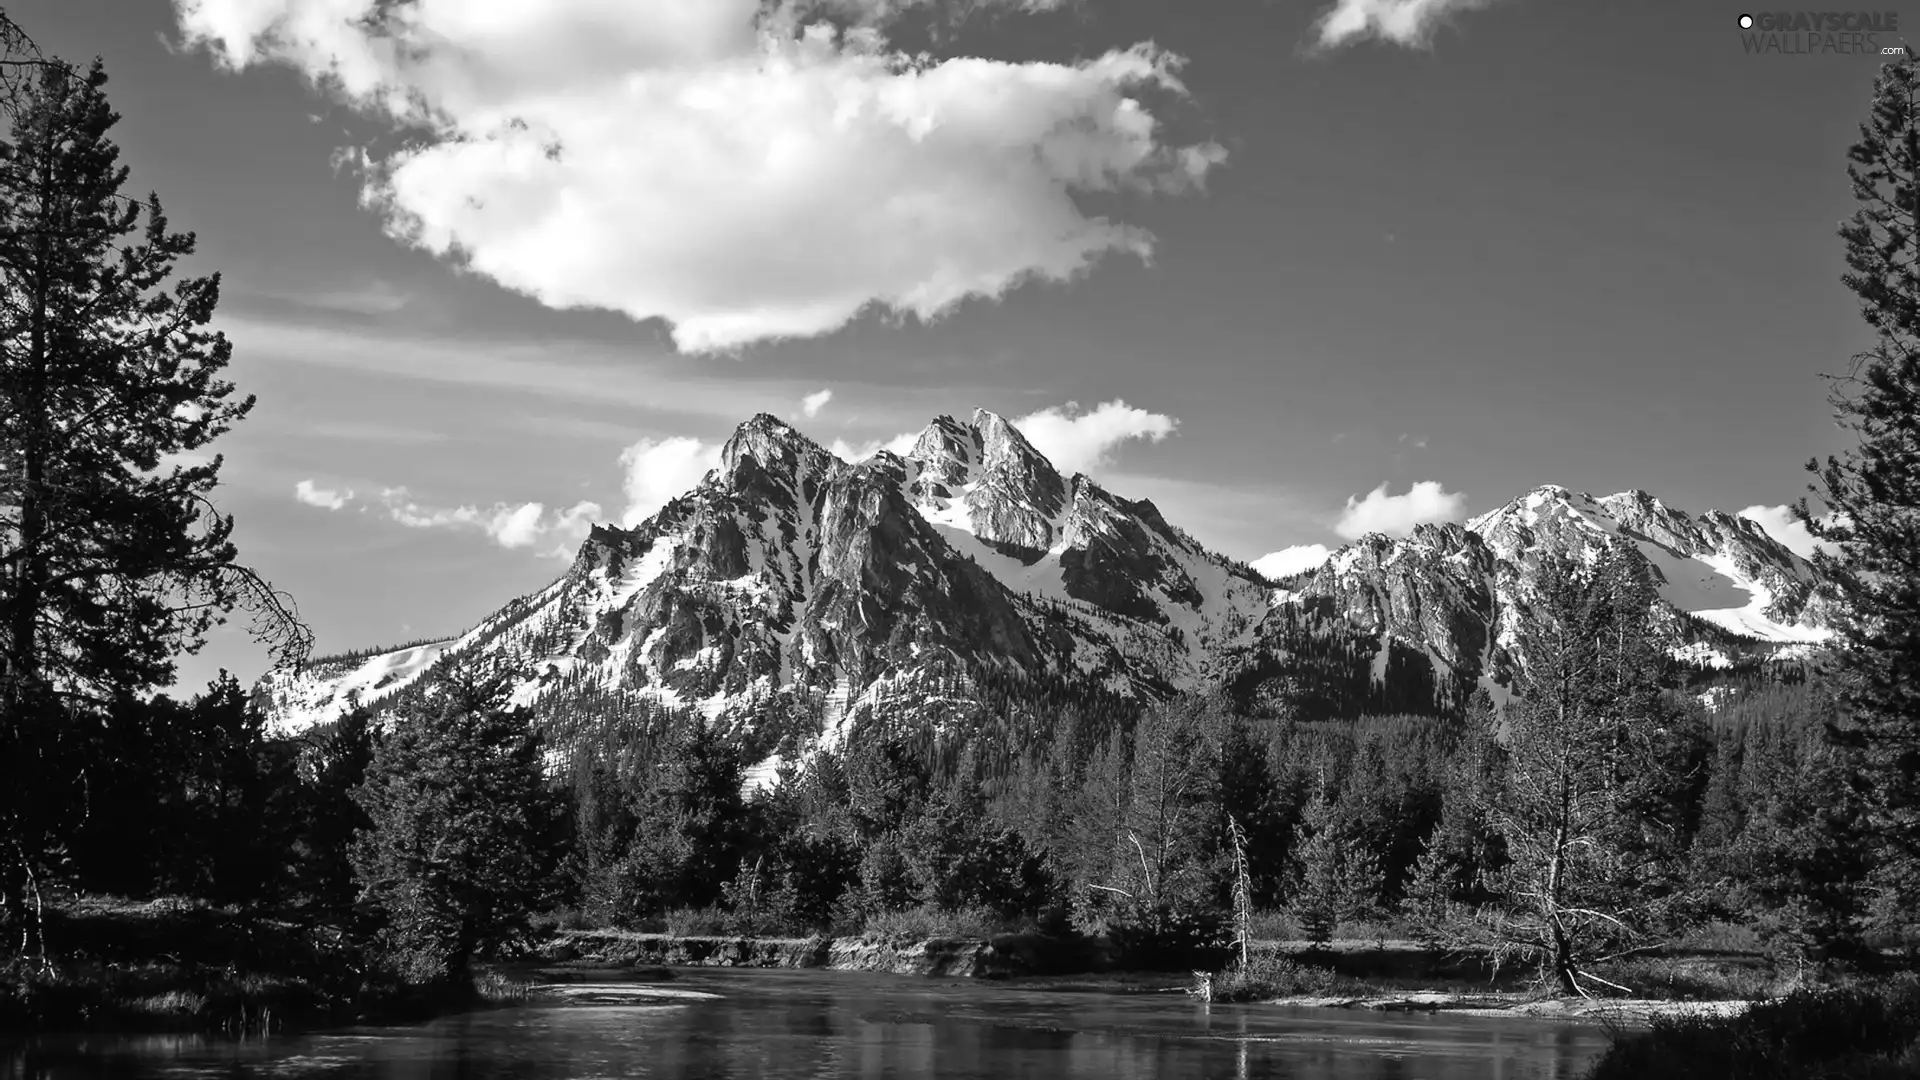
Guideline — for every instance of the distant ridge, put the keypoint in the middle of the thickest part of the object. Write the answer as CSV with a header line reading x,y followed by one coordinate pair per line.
x,y
789,578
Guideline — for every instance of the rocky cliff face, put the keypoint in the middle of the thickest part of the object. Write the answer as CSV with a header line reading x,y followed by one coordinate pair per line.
x,y
791,575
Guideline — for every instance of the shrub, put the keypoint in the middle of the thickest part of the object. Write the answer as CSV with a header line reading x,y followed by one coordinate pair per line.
x,y
1272,974
927,922
1852,1033
696,922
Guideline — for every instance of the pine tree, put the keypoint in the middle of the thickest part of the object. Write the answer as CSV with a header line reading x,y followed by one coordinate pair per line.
x,y
456,858
1336,877
1167,851
1250,796
1583,803
112,558
336,765
1872,493
1429,896
1797,864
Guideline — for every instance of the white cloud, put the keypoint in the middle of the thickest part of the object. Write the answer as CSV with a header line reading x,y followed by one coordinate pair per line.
x,y
1396,515
1072,440
1781,524
325,499
1084,442
509,526
899,444
1403,22
1290,561
660,470
814,402
740,172
881,11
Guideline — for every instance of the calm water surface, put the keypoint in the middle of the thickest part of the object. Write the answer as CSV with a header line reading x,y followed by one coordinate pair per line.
x,y
783,1025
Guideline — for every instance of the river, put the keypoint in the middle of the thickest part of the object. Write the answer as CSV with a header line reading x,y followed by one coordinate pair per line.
x,y
784,1025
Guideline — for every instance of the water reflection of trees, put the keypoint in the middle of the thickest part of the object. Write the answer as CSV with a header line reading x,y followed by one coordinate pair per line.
x,y
916,1030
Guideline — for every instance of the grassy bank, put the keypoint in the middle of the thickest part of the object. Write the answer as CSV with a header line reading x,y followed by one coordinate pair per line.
x,y
1859,1032
179,967
1399,973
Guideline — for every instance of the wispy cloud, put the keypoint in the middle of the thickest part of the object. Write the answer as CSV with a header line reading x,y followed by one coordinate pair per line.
x,y
1396,515
511,526
811,405
743,170
370,297
1409,23
578,372
324,498
360,431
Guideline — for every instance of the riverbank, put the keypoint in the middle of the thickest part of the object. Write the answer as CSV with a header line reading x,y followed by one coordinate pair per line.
x,y
1865,1031
1532,1006
173,966
999,957
1365,975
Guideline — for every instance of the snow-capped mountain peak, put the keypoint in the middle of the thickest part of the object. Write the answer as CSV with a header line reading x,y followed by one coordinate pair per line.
x,y
788,575
1714,567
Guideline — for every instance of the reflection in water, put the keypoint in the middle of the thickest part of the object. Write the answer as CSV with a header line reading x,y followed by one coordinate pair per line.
x,y
789,1025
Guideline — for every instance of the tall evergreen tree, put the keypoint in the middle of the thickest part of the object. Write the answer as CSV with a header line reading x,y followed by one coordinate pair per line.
x,y
456,859
334,765
1250,795
1872,493
1336,876
690,823
112,559
1797,863
1169,851
1579,806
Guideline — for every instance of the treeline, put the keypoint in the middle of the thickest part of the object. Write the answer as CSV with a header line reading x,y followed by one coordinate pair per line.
x,y
1619,801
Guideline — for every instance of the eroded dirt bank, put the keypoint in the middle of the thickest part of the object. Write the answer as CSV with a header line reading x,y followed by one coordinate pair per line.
x,y
1000,957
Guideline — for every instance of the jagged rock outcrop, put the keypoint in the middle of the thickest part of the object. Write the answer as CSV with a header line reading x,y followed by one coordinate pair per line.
x,y
790,575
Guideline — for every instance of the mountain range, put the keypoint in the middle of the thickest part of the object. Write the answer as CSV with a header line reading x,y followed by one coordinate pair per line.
x,y
789,576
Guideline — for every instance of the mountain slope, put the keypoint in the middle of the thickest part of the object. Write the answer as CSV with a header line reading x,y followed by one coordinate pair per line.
x,y
790,582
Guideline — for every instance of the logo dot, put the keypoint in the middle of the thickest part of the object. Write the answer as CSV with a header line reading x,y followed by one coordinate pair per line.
x,y
1746,22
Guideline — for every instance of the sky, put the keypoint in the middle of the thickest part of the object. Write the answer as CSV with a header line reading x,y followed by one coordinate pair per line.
x,y
1295,271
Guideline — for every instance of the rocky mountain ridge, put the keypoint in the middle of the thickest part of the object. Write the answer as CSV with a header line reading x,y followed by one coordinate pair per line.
x,y
790,577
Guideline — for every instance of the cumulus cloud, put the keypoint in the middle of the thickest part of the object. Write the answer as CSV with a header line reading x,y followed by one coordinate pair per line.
x,y
814,402
1397,515
1072,439
746,171
324,498
1403,22
1781,524
899,444
509,526
660,470
1290,561
1083,441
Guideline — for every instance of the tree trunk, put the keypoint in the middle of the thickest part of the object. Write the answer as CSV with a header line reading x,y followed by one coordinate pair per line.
x,y
1563,966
